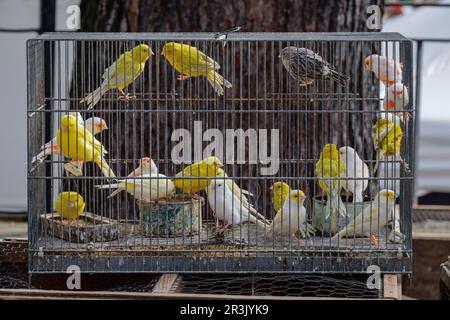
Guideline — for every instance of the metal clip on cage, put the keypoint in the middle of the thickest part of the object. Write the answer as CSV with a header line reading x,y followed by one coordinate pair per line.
x,y
279,152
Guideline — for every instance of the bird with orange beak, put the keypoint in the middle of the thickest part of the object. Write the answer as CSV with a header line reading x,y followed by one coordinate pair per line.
x,y
386,69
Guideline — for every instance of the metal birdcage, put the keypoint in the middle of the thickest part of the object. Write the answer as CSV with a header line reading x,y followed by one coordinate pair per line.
x,y
267,125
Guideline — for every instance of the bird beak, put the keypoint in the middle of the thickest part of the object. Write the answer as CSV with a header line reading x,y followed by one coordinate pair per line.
x,y
279,56
271,188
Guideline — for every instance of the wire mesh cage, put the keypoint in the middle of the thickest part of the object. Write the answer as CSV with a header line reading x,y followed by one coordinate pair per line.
x,y
249,152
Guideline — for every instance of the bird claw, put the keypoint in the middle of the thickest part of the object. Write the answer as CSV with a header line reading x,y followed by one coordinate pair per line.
x,y
182,78
374,241
126,97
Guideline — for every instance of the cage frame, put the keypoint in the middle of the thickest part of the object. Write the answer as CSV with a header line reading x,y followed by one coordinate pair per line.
x,y
303,261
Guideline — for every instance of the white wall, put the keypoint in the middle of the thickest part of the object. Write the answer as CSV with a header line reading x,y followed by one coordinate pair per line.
x,y
13,95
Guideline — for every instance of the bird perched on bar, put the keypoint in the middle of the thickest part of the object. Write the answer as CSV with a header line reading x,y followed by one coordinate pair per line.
x,y
291,218
146,187
78,144
280,192
228,208
330,165
397,98
387,138
386,69
355,168
305,65
206,168
146,166
191,62
373,218
120,74
69,205
95,125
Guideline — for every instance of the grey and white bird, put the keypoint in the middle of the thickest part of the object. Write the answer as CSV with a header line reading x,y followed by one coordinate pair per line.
x,y
227,207
370,222
357,171
306,66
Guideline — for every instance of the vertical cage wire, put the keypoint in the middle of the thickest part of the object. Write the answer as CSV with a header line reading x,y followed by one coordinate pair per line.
x,y
265,112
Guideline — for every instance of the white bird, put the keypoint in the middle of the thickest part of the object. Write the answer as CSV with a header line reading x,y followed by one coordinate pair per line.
x,y
227,207
148,185
386,69
95,125
373,218
397,98
291,218
146,166
241,194
355,168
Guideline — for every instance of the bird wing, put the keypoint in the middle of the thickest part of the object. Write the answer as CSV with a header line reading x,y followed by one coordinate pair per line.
x,y
202,63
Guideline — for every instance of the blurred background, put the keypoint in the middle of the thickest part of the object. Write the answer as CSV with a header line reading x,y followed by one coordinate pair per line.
x,y
425,22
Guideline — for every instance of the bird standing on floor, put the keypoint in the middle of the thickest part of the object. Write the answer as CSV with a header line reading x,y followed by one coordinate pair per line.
x,y
305,66
387,138
69,205
373,218
386,69
191,62
78,144
120,74
329,167
397,98
280,193
355,168
227,207
241,194
206,168
291,218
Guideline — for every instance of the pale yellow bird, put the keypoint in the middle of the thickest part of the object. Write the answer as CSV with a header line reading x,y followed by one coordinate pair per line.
x,y
121,73
291,218
78,144
373,219
146,187
191,62
187,179
69,205
227,207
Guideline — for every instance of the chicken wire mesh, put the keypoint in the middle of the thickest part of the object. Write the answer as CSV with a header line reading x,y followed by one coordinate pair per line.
x,y
290,118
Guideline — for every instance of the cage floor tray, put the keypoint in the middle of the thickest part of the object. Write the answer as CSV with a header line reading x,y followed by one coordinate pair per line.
x,y
87,228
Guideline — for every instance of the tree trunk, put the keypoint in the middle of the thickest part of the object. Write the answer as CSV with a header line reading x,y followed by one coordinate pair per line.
x,y
302,135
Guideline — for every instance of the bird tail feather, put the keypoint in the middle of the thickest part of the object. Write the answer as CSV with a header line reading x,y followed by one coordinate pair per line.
x,y
104,167
217,81
94,97
339,77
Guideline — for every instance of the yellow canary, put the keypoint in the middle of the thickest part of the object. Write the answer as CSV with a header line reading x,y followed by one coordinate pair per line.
x,y
280,192
330,165
208,167
387,138
191,62
121,73
69,205
78,144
